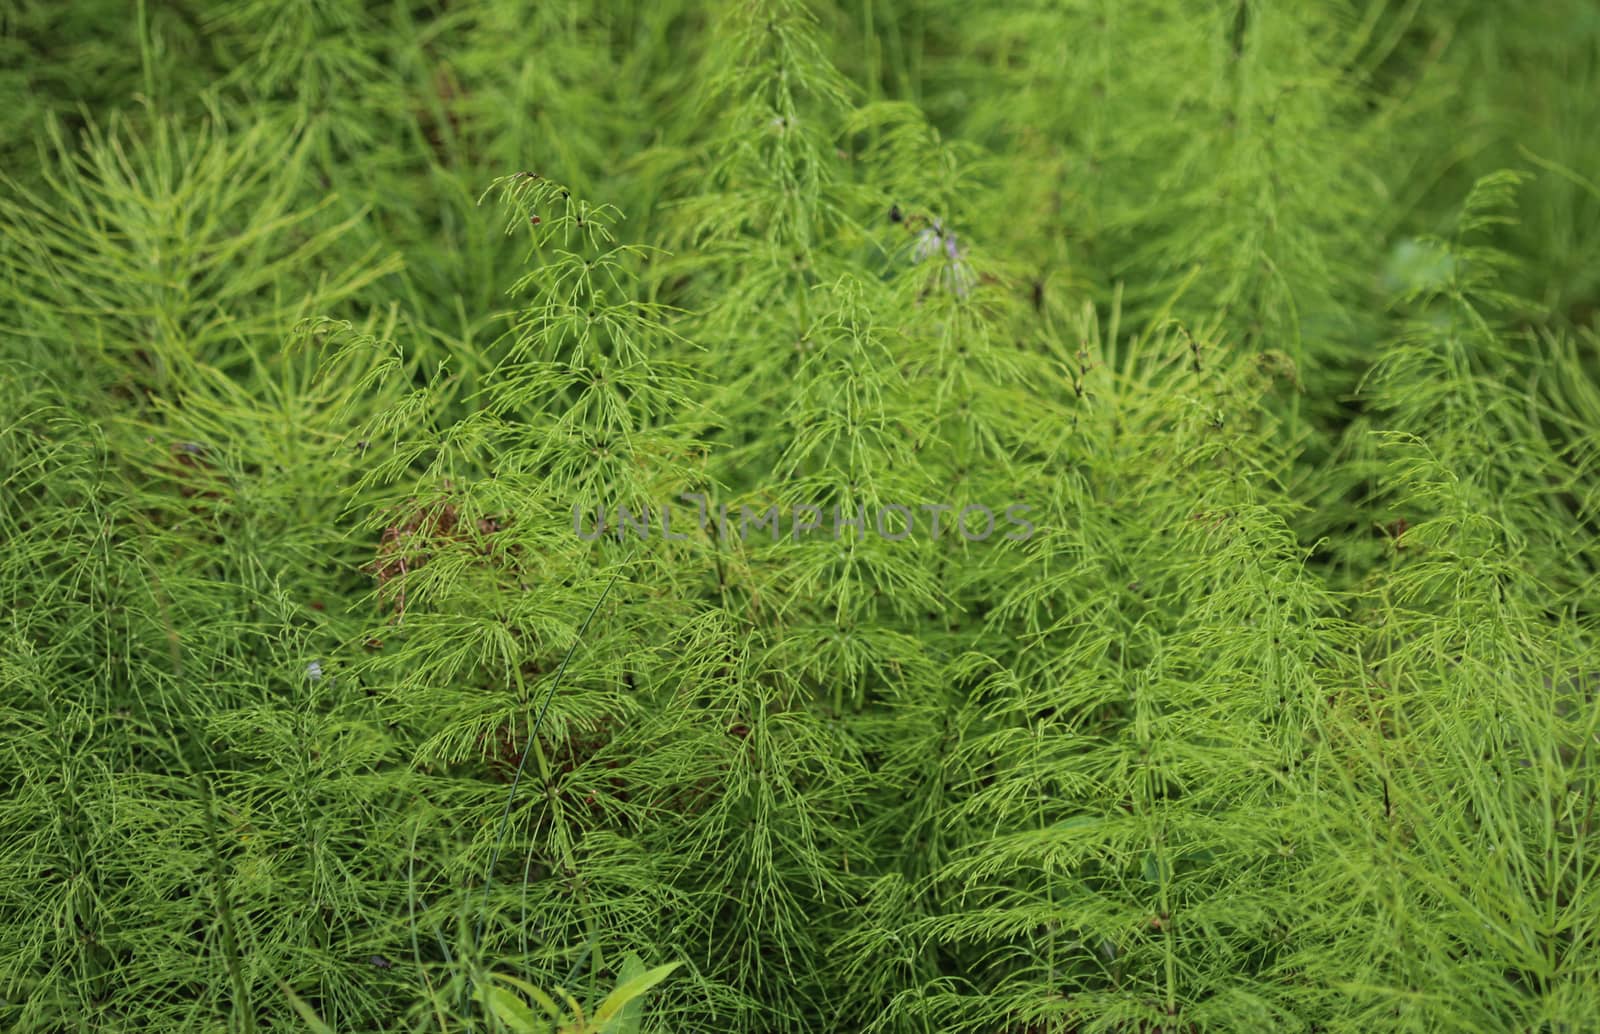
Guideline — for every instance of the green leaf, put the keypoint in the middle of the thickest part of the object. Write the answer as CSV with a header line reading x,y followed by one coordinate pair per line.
x,y
632,1013
630,989
511,1010
540,998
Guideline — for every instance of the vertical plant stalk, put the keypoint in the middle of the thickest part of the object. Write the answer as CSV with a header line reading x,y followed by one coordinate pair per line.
x,y
230,941
522,763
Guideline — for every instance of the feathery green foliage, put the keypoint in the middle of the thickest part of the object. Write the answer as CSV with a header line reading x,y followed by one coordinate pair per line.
x,y
492,504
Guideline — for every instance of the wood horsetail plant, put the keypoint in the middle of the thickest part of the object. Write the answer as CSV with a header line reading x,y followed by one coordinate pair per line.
x,y
781,516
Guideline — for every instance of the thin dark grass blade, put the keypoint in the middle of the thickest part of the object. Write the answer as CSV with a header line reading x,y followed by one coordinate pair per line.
x,y
516,780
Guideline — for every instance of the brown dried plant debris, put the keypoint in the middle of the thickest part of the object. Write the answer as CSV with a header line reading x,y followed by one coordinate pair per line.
x,y
421,534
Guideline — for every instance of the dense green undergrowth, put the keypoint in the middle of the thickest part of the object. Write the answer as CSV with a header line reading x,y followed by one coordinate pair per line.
x,y
330,330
